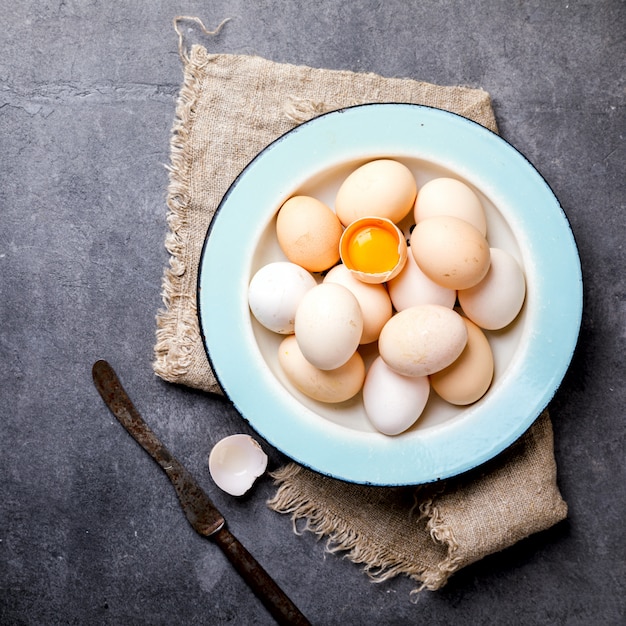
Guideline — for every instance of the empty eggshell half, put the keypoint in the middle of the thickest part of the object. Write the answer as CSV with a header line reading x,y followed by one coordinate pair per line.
x,y
235,463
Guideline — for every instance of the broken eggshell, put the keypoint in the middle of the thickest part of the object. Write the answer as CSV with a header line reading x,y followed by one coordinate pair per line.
x,y
235,463
373,249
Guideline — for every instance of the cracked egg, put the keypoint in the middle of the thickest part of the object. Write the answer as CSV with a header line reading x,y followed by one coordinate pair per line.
x,y
373,249
235,463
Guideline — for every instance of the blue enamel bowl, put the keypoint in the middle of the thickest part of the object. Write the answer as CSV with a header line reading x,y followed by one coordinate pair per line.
x,y
531,355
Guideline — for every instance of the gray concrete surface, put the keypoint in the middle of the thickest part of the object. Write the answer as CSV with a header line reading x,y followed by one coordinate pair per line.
x,y
90,531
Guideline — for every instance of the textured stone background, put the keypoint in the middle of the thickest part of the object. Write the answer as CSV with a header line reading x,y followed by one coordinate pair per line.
x,y
90,530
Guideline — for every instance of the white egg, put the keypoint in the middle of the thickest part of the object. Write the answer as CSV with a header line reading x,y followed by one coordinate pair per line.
x,y
373,299
497,299
393,402
422,339
235,463
328,325
412,287
275,292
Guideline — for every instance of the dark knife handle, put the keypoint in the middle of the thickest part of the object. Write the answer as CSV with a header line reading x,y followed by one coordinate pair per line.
x,y
284,611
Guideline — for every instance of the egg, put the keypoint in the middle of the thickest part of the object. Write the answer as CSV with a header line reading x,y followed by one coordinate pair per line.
x,y
422,339
373,299
274,294
448,196
498,298
329,386
328,325
373,249
468,378
235,463
393,402
380,188
308,232
450,251
411,287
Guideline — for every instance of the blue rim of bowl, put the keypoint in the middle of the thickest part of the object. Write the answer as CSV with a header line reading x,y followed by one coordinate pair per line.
x,y
447,449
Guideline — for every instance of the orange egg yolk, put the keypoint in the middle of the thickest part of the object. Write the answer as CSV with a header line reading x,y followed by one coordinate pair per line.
x,y
373,250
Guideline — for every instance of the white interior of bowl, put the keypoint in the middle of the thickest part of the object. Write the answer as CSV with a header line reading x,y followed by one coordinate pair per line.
x,y
505,343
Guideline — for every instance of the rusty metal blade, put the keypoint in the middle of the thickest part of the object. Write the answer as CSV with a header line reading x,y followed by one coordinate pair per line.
x,y
199,510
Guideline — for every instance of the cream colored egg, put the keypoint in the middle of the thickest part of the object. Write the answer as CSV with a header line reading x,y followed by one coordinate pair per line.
x,y
308,232
329,386
275,292
328,325
468,378
393,402
450,251
498,298
422,339
448,196
373,299
412,287
380,188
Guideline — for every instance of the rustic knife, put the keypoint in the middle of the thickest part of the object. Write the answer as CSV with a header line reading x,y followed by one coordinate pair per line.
x,y
200,511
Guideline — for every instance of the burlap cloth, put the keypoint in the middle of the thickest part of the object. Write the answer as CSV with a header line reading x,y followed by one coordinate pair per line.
x,y
229,108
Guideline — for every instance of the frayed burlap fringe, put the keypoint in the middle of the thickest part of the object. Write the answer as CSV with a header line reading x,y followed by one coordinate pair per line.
x,y
178,199
442,533
380,560
178,335
431,531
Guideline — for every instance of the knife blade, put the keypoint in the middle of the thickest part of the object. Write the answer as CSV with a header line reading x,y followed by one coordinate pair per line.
x,y
200,511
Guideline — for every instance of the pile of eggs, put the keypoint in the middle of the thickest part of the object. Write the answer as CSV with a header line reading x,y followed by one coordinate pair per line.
x,y
351,279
